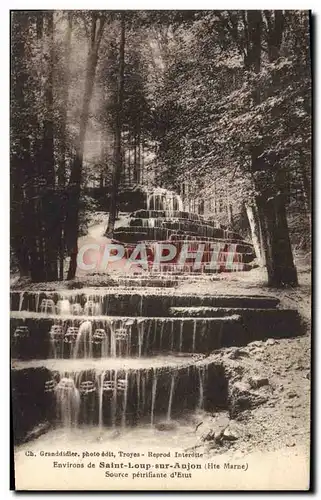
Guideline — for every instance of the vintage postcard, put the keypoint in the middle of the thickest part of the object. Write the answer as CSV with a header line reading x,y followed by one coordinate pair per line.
x,y
160,249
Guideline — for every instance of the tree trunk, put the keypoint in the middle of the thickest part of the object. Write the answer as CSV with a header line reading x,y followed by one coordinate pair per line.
x,y
139,159
51,218
305,184
61,172
256,234
279,259
18,155
24,228
129,166
74,188
135,160
230,214
143,161
117,167
271,207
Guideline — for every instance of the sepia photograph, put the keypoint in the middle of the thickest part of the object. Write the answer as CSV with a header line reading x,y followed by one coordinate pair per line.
x,y
160,250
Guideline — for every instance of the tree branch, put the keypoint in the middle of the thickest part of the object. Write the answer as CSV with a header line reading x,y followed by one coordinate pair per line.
x,y
85,26
233,30
100,30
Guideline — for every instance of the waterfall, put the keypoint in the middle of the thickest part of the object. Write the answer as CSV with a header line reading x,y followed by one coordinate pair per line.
x,y
56,336
171,393
121,337
92,307
112,340
172,334
67,402
138,390
114,401
108,355
21,295
161,333
181,335
88,391
76,309
148,336
63,306
140,328
84,341
204,328
143,391
149,202
128,324
154,387
37,299
101,399
161,199
100,342
201,375
47,306
194,334
230,257
125,383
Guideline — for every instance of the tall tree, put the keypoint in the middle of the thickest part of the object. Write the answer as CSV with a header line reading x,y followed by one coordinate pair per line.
x,y
270,203
50,214
95,29
22,242
222,123
117,167
62,135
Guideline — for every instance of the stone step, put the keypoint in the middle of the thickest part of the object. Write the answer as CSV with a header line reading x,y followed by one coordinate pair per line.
x,y
213,312
35,335
136,233
112,392
144,281
150,214
259,324
158,364
140,302
201,228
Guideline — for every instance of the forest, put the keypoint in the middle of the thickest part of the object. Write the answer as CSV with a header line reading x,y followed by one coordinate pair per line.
x,y
209,100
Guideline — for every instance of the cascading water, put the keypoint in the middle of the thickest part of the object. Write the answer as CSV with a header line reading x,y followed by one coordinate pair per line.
x,y
194,335
124,386
100,343
20,300
202,376
100,380
171,393
114,400
63,307
165,219
81,327
154,388
67,402
124,354
48,306
181,336
83,342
